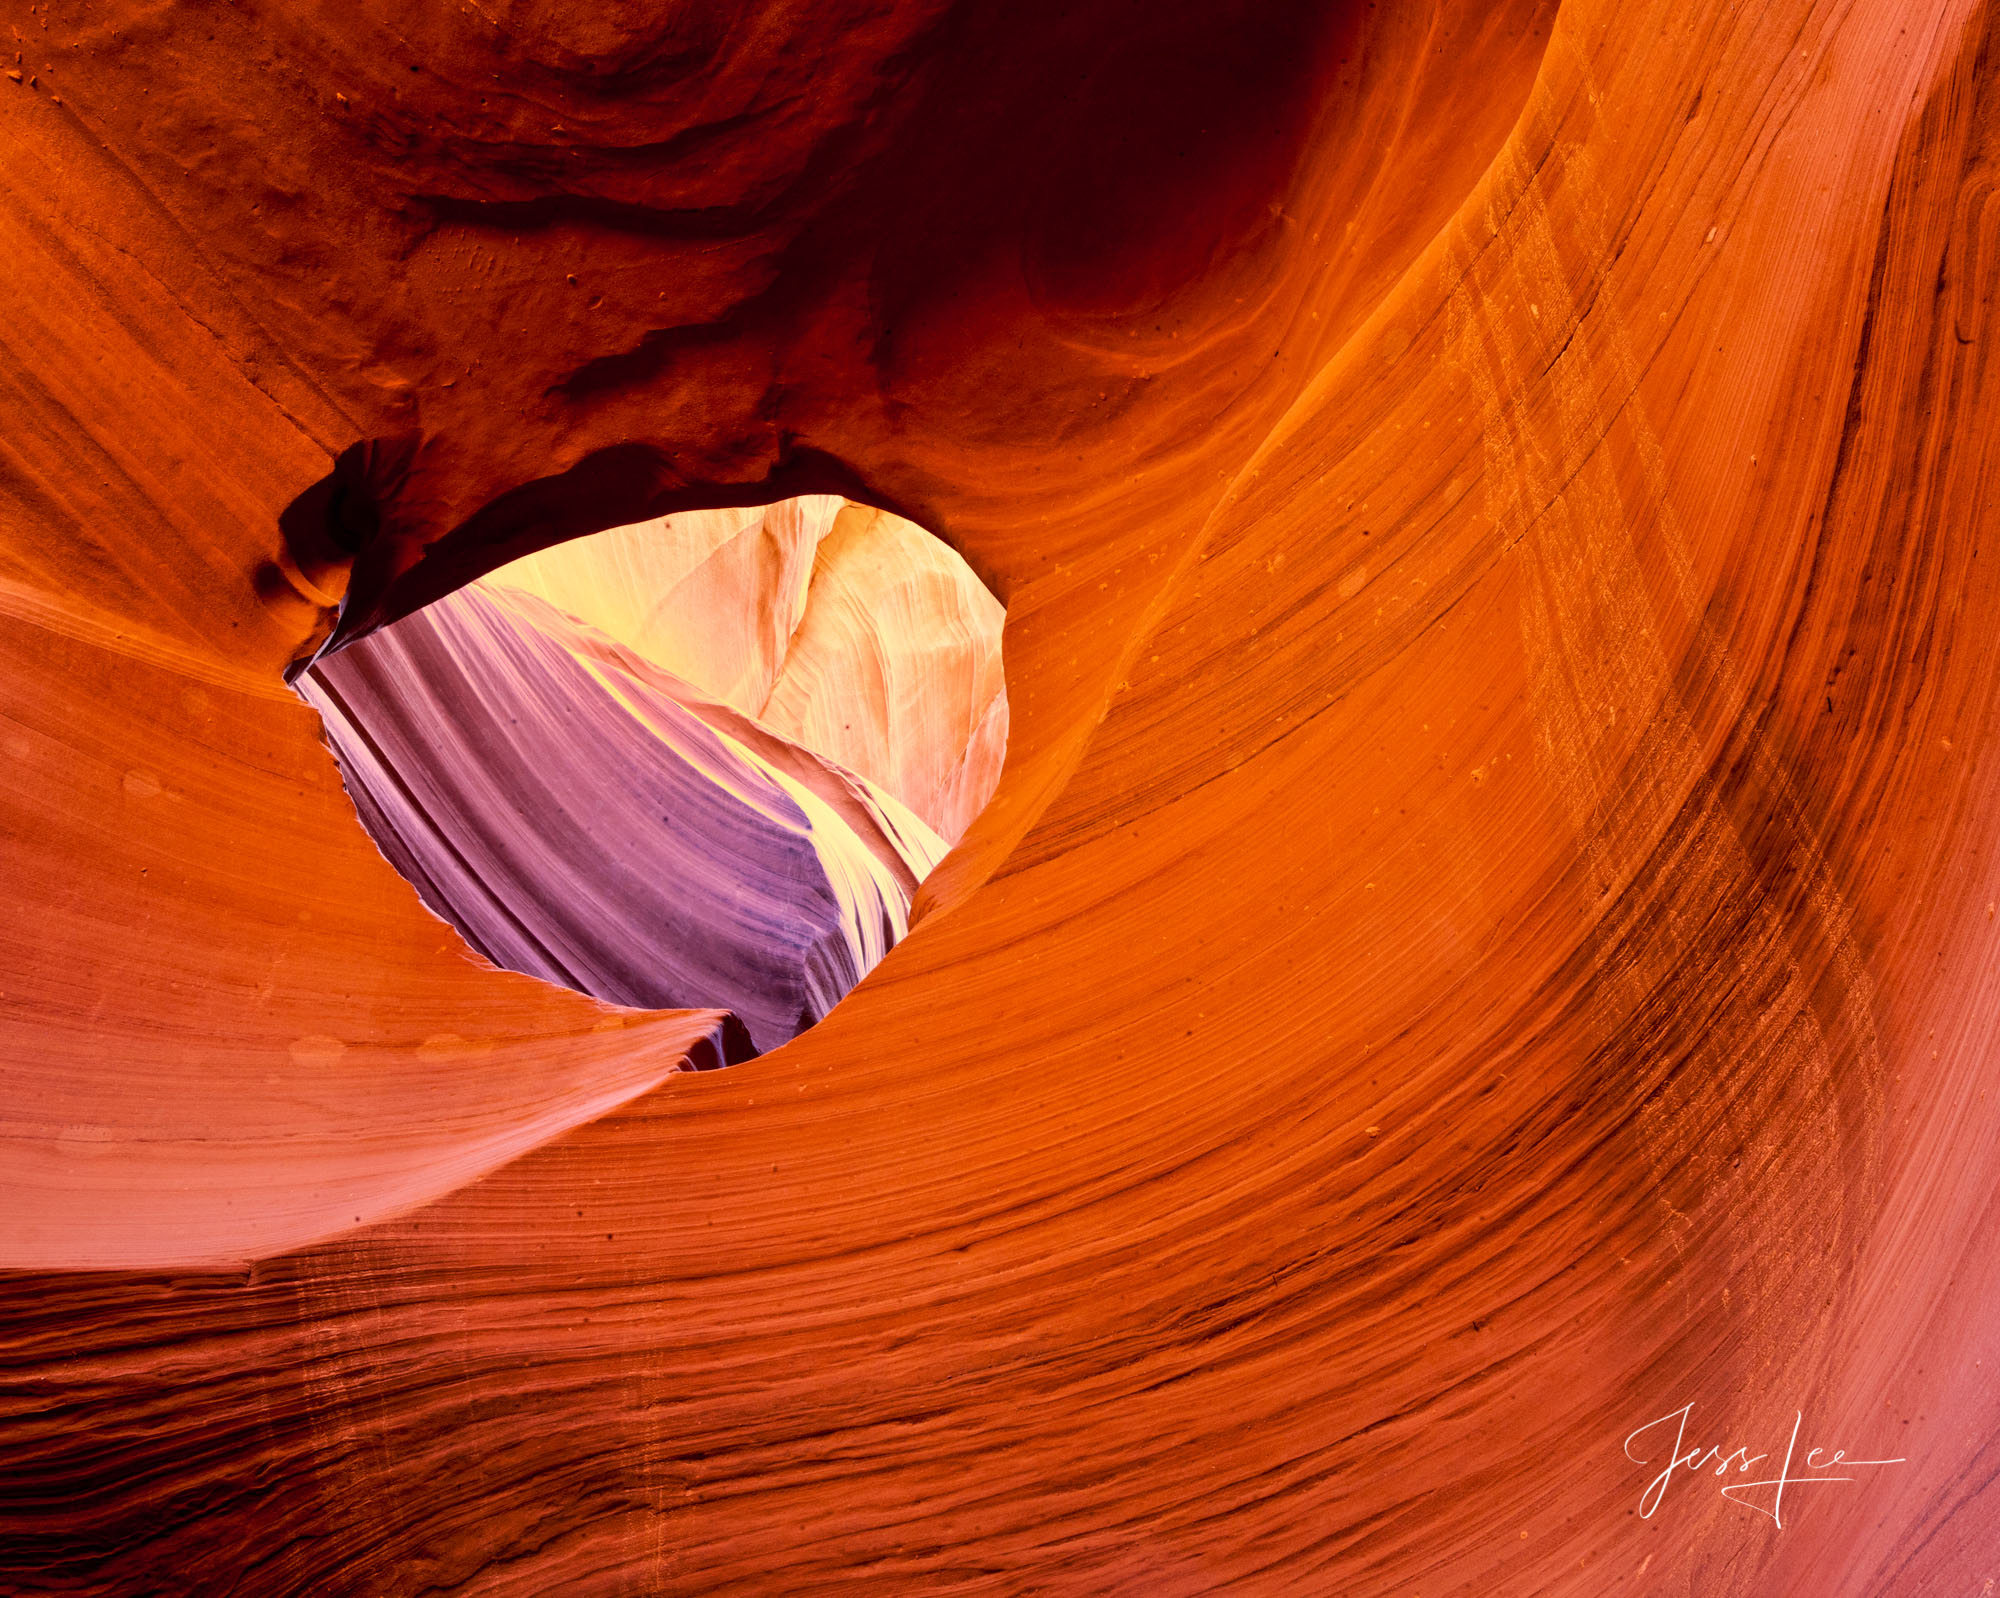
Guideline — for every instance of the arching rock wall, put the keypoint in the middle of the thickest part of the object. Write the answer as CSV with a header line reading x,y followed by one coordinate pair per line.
x,y
1484,937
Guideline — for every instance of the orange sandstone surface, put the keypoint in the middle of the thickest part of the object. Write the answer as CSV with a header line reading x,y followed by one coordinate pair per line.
x,y
1483,938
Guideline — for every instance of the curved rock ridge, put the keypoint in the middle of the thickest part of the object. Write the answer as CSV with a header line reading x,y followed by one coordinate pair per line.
x,y
614,803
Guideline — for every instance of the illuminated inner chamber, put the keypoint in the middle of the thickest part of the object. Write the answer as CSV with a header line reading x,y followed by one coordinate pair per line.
x,y
701,762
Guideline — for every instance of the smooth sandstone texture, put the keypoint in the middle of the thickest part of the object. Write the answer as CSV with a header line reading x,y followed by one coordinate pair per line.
x,y
1484,937
847,630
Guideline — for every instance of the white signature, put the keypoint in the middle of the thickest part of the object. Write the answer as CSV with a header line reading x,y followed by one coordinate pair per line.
x,y
1694,1458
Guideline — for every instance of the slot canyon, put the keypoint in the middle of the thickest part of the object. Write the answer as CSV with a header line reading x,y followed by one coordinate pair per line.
x,y
926,797
702,762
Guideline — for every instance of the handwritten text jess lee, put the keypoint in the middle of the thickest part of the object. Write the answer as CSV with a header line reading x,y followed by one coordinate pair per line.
x,y
1694,1458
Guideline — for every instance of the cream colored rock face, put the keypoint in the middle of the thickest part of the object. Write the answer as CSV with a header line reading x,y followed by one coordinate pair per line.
x,y
845,629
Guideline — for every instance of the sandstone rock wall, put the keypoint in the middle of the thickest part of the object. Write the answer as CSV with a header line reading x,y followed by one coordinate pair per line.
x,y
1484,936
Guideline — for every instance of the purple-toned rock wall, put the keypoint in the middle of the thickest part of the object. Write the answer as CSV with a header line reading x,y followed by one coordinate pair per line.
x,y
559,801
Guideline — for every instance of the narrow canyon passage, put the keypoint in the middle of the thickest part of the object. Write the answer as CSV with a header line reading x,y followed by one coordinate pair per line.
x,y
702,762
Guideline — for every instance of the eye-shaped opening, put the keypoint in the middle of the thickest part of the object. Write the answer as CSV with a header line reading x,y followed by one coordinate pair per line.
x,y
700,762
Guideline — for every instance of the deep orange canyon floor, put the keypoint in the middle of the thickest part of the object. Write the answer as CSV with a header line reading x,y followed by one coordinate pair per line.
x,y
1485,936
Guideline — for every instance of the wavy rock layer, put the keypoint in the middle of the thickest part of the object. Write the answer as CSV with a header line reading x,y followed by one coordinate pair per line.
x,y
585,815
1485,937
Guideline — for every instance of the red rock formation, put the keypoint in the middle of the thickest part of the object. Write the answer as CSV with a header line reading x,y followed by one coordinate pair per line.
x,y
1482,939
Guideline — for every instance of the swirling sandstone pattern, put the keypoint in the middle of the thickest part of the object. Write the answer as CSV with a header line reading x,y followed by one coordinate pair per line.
x,y
1485,935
